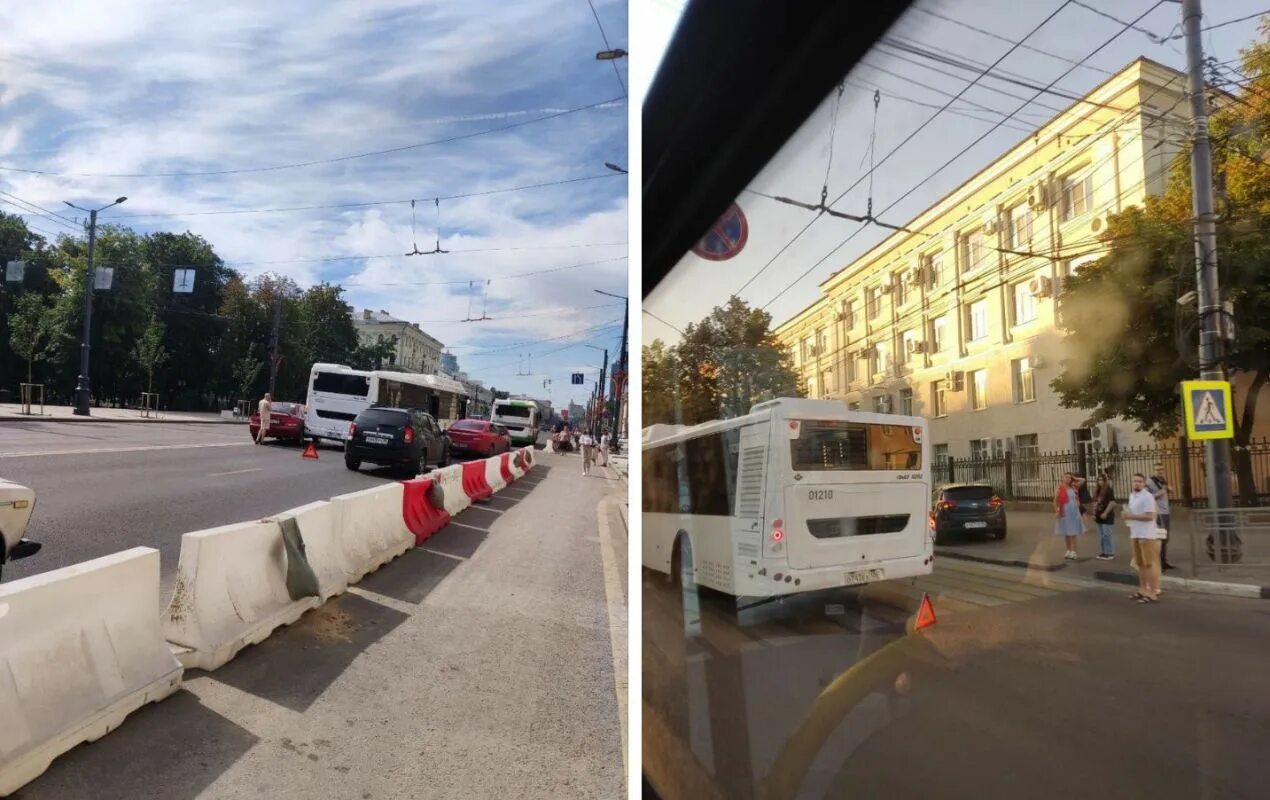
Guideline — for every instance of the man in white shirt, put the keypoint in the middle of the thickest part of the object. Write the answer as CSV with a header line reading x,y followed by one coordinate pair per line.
x,y
1140,516
588,451
266,412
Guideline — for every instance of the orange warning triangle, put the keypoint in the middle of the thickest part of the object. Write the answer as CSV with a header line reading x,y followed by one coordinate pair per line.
x,y
925,613
310,450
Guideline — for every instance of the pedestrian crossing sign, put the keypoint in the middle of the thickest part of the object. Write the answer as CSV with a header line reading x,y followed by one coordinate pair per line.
x,y
1208,410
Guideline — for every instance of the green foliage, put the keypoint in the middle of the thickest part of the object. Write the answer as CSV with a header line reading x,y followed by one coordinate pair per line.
x,y
725,364
374,355
30,333
149,351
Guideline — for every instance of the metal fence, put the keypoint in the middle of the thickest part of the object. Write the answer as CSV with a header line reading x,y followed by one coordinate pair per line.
x,y
1035,477
1223,539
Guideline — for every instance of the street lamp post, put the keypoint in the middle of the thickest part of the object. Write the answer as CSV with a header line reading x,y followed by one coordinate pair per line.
x,y
621,361
83,388
598,394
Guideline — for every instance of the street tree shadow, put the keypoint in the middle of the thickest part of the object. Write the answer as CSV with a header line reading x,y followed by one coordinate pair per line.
x,y
173,749
295,665
412,577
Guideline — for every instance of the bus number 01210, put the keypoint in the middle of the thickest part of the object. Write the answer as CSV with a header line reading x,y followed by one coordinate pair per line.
x,y
820,494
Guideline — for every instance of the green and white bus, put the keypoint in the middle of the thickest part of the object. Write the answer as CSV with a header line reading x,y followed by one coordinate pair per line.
x,y
522,418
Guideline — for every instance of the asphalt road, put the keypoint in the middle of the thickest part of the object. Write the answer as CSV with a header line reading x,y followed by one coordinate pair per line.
x,y
479,665
105,487
1027,686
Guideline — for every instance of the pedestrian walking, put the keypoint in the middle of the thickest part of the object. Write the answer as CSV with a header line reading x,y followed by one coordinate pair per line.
x,y
588,452
604,449
266,413
1141,518
1068,522
1105,518
1158,486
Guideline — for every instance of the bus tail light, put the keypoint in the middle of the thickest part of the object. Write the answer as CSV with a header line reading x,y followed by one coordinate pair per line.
x,y
778,530
930,522
410,435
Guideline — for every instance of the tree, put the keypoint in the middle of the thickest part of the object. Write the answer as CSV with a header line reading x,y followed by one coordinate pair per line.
x,y
149,352
724,364
30,335
373,356
247,372
1129,341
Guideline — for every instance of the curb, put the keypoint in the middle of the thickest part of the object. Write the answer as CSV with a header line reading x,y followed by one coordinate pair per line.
x,y
1005,562
1194,585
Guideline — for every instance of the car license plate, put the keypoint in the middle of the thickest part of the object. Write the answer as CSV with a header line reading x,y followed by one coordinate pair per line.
x,y
862,576
378,438
976,524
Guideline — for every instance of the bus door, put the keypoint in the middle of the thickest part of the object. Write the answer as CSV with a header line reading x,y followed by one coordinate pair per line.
x,y
856,495
748,459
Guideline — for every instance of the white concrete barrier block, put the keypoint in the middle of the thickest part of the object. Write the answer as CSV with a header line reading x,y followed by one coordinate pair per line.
x,y
231,592
494,474
373,528
448,481
80,649
324,546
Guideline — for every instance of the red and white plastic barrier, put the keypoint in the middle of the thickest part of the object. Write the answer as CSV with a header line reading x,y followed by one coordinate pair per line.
x,y
516,464
421,515
474,481
231,592
447,489
493,474
504,468
80,650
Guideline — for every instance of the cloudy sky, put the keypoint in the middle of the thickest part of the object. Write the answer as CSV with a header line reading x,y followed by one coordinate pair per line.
x,y
911,92
205,114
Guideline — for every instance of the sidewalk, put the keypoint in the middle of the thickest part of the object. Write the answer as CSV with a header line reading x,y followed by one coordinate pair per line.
x,y
481,664
11,412
1031,544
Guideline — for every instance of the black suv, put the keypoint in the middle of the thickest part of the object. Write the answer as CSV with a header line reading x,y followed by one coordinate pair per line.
x,y
968,508
398,437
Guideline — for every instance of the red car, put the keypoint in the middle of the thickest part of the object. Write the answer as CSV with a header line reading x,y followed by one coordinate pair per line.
x,y
479,436
285,422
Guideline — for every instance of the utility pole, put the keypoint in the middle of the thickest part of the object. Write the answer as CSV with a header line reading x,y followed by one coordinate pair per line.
x,y
83,387
1216,451
600,394
621,360
273,341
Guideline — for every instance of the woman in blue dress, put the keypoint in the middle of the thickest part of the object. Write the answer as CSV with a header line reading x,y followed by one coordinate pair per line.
x,y
1069,523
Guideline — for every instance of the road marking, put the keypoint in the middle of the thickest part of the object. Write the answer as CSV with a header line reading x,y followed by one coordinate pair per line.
x,y
616,606
234,472
439,553
141,449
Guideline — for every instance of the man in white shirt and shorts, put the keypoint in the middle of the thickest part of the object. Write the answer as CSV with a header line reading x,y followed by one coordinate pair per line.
x,y
1140,516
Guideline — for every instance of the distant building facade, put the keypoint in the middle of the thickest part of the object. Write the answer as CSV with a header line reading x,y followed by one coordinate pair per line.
x,y
416,351
449,364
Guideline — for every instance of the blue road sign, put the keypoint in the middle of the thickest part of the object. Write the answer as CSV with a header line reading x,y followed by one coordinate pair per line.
x,y
577,379
726,237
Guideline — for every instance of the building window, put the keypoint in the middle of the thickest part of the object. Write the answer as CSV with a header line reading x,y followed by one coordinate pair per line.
x,y
974,251
934,269
1027,451
848,314
938,332
882,404
1078,196
1020,227
939,454
826,382
979,389
850,361
822,343
1024,304
853,406
980,449
906,402
1024,389
977,321
907,341
939,398
804,351
881,358
875,301
899,289
1027,446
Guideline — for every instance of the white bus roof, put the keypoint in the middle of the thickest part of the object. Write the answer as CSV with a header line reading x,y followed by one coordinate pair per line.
x,y
790,407
437,382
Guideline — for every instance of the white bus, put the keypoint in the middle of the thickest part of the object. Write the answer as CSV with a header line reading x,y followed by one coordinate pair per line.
x,y
337,394
520,416
797,495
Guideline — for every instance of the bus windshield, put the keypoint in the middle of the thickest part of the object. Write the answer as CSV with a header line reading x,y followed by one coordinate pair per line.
x,y
854,446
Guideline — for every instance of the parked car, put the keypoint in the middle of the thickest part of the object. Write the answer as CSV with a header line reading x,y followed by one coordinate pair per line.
x,y
479,437
286,422
968,508
16,504
400,437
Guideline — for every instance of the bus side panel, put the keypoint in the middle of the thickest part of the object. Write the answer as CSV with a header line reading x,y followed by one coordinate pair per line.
x,y
748,519
658,536
712,551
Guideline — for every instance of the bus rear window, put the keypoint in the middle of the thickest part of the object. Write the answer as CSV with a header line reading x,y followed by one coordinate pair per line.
x,y
854,446
513,411
339,383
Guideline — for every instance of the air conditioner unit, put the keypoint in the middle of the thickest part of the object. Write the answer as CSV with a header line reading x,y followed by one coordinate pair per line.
x,y
1039,286
1039,362
840,316
1103,436
879,377
955,380
991,222
1098,223
1038,197
915,346
885,288
885,404
916,276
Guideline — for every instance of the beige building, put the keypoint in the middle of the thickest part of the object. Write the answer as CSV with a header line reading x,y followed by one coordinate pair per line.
x,y
416,350
955,321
